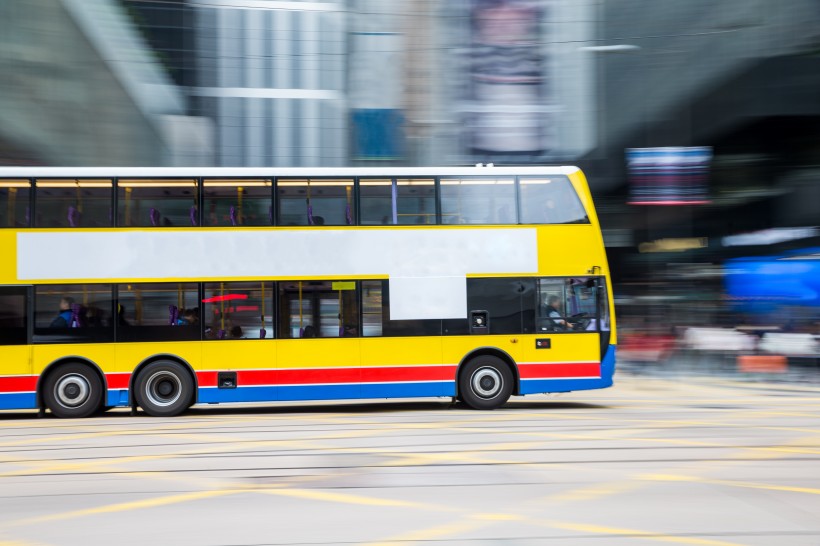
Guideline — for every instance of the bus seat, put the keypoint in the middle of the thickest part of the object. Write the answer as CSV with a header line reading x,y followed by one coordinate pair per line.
x,y
76,320
173,315
232,215
193,214
73,217
153,214
262,333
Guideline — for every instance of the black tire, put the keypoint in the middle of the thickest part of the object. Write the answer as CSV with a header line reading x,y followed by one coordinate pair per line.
x,y
164,389
485,383
73,390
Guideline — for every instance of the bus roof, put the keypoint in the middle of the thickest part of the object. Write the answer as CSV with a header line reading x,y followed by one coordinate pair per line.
x,y
266,172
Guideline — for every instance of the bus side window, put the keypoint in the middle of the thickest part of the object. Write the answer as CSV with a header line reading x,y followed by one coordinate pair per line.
x,y
238,310
73,203
318,309
314,202
14,203
478,200
157,203
550,201
158,312
73,313
13,316
232,202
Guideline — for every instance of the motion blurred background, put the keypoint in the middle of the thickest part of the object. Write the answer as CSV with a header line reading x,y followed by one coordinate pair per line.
x,y
697,124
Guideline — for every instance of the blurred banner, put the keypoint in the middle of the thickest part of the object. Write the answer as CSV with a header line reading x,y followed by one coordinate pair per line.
x,y
376,82
763,283
506,78
669,175
521,87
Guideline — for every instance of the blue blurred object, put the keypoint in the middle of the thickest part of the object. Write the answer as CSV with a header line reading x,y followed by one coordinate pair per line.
x,y
377,133
762,284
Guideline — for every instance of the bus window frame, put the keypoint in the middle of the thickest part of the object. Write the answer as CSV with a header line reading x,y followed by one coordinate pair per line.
x,y
277,202
271,203
197,187
33,200
482,176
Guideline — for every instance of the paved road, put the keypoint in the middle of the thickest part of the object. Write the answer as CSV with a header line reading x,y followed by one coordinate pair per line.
x,y
649,461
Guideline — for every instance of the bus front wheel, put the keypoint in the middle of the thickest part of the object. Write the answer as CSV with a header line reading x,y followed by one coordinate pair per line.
x,y
164,389
73,390
485,383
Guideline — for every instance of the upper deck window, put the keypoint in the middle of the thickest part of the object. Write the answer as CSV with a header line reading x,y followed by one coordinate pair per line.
x,y
316,202
14,203
550,200
403,201
237,203
477,200
158,203
73,203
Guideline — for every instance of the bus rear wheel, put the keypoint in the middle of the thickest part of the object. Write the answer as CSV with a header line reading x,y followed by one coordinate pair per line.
x,y
73,390
485,383
164,389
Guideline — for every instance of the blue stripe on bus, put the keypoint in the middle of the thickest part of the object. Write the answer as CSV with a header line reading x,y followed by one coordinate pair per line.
x,y
536,386
117,397
325,392
18,400
608,363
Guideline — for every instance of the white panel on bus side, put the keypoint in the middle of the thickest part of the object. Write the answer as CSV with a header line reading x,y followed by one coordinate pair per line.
x,y
427,267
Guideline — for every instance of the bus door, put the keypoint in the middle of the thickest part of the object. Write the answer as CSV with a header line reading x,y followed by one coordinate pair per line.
x,y
317,355
17,385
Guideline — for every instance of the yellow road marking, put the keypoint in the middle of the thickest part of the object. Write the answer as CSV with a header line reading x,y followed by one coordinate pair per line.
x,y
432,533
347,498
636,533
124,506
730,483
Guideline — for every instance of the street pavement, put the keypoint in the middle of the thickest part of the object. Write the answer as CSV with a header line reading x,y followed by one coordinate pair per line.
x,y
705,461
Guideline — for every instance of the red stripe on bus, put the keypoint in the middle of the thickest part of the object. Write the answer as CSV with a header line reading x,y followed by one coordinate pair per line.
x,y
334,375
18,383
118,380
559,369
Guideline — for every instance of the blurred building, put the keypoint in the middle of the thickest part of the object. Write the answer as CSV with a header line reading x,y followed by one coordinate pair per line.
x,y
272,77
81,87
739,77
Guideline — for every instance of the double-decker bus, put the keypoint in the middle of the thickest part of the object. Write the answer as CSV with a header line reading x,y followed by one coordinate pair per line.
x,y
160,288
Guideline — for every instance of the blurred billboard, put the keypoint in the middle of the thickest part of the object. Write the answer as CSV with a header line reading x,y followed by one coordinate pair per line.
x,y
520,86
673,175
762,284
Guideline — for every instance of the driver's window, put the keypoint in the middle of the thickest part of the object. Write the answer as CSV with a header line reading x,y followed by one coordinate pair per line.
x,y
551,305
567,304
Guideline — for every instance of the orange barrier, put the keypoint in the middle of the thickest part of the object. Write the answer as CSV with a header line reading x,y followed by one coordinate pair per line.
x,y
762,364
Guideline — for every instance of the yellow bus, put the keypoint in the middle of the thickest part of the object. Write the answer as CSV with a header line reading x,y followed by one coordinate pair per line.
x,y
160,288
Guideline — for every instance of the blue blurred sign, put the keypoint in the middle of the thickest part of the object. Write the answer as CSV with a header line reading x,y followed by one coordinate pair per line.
x,y
760,284
377,133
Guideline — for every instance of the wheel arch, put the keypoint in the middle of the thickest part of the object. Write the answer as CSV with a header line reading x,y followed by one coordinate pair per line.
x,y
491,351
54,365
156,358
